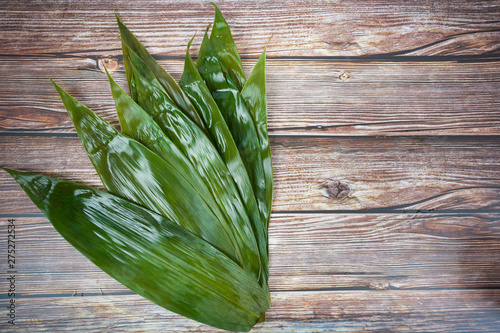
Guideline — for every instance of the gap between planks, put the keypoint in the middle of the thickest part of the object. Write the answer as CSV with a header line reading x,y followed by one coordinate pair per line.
x,y
347,28
325,174
304,98
330,252
403,311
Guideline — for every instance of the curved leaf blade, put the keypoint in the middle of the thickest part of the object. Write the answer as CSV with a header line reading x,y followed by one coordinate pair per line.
x,y
195,88
149,254
171,87
226,50
138,125
198,149
132,171
240,123
254,95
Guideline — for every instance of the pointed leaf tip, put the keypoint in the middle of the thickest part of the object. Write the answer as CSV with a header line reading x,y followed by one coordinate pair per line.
x,y
118,19
190,41
114,86
112,82
269,41
218,13
226,50
9,171
188,58
56,86
16,174
106,70
37,187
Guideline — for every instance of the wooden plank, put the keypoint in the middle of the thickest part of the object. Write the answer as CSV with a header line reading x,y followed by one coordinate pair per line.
x,y
304,97
312,28
395,233
384,311
447,173
308,252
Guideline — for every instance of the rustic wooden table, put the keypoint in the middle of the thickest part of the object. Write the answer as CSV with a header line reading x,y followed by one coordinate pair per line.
x,y
384,120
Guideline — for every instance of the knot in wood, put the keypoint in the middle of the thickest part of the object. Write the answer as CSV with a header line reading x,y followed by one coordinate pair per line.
x,y
337,189
109,63
344,76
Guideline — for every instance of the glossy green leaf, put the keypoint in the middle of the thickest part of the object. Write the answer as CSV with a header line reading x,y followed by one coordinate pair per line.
x,y
226,50
195,88
149,254
137,124
132,171
240,123
175,93
196,146
128,71
254,94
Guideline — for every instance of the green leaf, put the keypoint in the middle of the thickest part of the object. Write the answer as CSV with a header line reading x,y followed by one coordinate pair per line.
x,y
128,71
132,171
147,253
196,146
195,88
138,125
226,50
171,87
254,94
240,123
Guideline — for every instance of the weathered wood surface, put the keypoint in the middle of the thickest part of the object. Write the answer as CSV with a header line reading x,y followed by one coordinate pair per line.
x,y
304,97
385,128
331,252
328,311
307,28
344,268
314,173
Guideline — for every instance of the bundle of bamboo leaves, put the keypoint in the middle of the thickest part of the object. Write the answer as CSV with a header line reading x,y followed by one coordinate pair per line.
x,y
184,221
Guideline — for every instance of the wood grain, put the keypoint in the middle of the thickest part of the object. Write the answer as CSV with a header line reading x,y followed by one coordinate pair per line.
x,y
311,28
358,311
304,97
339,252
314,174
384,122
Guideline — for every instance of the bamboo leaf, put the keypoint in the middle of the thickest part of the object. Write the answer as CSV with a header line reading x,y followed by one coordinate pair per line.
x,y
196,146
130,170
149,254
226,50
171,87
137,124
128,71
254,94
195,88
240,123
